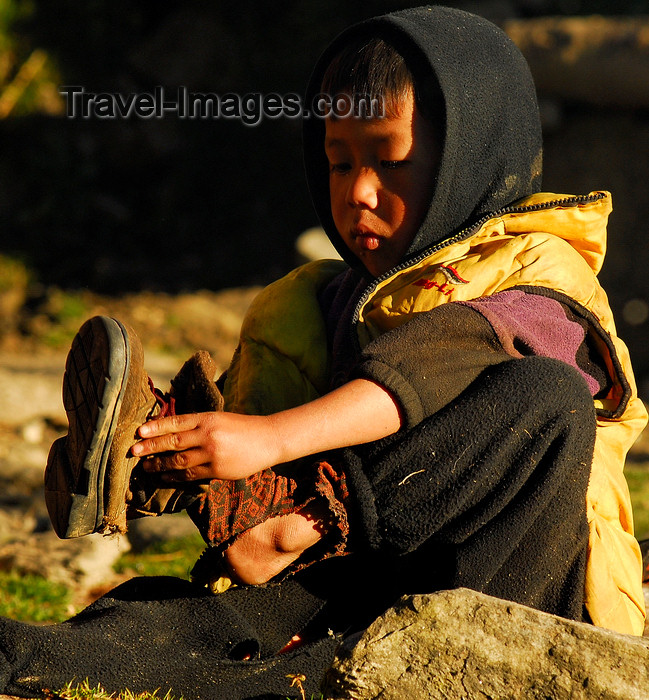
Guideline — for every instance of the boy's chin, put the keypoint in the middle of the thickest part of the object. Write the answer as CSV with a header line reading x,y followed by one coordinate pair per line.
x,y
377,264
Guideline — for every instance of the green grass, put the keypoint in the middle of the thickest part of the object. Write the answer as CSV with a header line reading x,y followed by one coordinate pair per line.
x,y
33,599
84,691
65,311
170,558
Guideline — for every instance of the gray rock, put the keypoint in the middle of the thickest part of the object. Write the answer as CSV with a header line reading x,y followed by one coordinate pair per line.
x,y
463,644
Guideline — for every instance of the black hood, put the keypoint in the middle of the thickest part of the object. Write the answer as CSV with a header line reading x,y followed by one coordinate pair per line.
x,y
491,154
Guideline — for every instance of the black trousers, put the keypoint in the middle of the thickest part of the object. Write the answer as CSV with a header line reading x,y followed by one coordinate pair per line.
x,y
489,494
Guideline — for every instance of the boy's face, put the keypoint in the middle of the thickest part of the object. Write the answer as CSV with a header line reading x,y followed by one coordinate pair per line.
x,y
381,180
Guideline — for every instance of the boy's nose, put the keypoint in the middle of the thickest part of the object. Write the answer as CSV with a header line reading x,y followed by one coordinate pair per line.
x,y
363,189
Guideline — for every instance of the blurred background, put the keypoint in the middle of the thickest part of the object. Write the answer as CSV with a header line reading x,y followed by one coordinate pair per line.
x,y
170,205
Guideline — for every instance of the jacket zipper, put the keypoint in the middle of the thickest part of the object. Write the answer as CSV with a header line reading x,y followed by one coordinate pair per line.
x,y
573,200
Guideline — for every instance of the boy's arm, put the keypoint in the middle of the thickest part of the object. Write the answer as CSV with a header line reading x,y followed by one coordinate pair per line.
x,y
233,446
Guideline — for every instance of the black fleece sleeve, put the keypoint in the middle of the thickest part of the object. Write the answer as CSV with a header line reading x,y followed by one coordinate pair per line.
x,y
431,359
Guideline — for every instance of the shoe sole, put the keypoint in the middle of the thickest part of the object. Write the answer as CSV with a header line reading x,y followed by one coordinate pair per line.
x,y
94,384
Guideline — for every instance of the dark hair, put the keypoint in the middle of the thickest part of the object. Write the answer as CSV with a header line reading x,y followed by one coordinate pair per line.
x,y
372,67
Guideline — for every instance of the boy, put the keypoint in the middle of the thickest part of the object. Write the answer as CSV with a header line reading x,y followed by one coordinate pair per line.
x,y
449,408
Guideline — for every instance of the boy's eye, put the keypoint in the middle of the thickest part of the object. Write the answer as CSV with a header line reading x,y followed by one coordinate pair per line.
x,y
393,164
339,167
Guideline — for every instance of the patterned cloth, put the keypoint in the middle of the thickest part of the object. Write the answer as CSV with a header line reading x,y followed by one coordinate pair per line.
x,y
229,508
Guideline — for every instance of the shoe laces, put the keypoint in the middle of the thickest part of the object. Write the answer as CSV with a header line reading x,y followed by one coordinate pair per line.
x,y
165,401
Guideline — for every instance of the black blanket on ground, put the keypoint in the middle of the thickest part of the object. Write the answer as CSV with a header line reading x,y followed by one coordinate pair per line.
x,y
165,633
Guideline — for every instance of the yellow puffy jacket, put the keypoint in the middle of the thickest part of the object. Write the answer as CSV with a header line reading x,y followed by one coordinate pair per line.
x,y
546,240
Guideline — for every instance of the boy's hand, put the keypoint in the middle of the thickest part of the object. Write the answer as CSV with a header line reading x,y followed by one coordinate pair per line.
x,y
198,446
222,445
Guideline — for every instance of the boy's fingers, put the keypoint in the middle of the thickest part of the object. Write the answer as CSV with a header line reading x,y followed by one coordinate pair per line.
x,y
170,424
155,445
198,473
188,465
167,442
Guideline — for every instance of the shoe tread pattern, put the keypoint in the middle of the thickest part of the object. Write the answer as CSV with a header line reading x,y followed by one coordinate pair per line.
x,y
93,384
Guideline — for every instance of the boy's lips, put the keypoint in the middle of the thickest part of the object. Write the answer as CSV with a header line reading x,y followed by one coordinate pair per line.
x,y
366,239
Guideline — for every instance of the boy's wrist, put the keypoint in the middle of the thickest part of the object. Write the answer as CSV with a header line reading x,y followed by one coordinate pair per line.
x,y
277,447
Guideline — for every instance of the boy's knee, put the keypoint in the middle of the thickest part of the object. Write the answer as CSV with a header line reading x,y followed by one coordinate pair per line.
x,y
551,385
553,378
551,403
